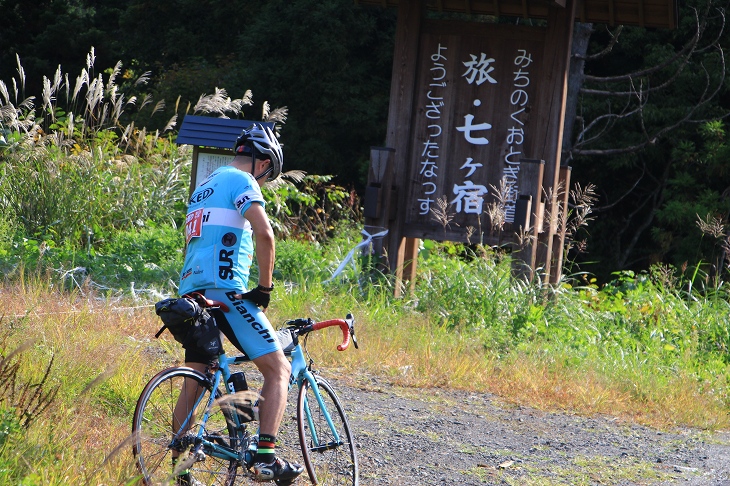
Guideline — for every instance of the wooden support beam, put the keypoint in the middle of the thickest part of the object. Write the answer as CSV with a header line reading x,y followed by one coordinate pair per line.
x,y
398,136
407,271
530,183
556,57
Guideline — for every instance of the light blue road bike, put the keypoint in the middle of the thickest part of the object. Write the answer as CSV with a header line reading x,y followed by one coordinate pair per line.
x,y
217,431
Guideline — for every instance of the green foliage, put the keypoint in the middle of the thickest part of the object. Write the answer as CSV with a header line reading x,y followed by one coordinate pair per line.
x,y
657,171
291,51
642,321
149,256
309,209
298,260
473,292
70,198
339,54
11,434
8,232
100,205
695,189
56,32
635,325
330,51
9,426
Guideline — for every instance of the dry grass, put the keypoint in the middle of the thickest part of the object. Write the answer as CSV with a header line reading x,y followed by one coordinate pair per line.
x,y
104,352
553,387
100,364
410,354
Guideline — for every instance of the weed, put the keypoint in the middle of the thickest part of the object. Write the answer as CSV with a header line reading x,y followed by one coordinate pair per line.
x,y
26,400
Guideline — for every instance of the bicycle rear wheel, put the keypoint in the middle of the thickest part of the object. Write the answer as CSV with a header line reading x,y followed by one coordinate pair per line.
x,y
330,459
160,411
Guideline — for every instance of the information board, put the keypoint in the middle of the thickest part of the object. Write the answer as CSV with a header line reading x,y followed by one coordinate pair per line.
x,y
208,162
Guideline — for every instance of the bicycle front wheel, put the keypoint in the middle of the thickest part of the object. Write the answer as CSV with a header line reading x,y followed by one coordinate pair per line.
x,y
167,418
329,450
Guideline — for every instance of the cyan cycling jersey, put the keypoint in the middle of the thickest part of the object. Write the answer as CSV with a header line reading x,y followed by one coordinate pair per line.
x,y
218,238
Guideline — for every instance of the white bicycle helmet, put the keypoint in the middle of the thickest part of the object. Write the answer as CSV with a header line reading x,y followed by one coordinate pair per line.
x,y
261,139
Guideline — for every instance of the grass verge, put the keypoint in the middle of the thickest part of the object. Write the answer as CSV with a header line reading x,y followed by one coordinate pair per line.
x,y
103,353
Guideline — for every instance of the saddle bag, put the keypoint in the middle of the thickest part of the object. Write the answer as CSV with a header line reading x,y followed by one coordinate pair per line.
x,y
190,325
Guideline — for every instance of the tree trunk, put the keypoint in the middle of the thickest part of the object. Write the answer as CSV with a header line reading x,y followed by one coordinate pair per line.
x,y
581,37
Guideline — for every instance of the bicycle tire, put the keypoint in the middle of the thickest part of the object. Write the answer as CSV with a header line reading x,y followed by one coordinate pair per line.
x,y
153,437
328,462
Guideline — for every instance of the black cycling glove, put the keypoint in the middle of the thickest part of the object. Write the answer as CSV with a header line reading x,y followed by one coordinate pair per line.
x,y
258,297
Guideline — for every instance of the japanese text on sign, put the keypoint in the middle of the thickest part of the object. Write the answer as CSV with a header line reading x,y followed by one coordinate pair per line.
x,y
469,196
516,133
434,105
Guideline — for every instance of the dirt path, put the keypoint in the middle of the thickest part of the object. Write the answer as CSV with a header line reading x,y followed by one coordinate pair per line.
x,y
438,437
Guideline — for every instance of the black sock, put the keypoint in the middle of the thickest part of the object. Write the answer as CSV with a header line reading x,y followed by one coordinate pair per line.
x,y
266,451
183,477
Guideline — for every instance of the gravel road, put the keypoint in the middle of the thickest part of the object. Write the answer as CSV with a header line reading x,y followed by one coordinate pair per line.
x,y
408,436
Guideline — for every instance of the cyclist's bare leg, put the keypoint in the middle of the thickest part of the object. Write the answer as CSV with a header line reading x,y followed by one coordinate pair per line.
x,y
186,400
276,370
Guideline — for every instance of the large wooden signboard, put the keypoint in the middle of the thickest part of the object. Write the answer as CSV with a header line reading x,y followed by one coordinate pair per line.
x,y
473,105
476,91
474,108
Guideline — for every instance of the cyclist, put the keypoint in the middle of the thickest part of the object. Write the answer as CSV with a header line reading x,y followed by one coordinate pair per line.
x,y
225,215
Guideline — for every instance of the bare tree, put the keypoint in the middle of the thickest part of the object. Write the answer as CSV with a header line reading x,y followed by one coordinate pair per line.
x,y
629,103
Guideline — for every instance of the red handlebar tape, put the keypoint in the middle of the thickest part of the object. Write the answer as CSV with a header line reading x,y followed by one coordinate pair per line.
x,y
343,326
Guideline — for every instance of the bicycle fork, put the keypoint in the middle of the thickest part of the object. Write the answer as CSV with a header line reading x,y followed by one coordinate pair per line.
x,y
300,369
319,447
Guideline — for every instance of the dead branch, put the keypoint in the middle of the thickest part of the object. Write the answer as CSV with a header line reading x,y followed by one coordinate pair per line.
x,y
607,50
650,139
684,54
608,120
622,197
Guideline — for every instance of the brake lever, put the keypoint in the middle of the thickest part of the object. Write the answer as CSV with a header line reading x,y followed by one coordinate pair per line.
x,y
350,320
298,323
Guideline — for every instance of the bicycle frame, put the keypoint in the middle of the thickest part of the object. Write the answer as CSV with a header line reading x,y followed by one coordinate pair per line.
x,y
222,373
300,372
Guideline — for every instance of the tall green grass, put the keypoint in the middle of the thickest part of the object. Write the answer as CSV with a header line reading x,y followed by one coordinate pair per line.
x,y
89,195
